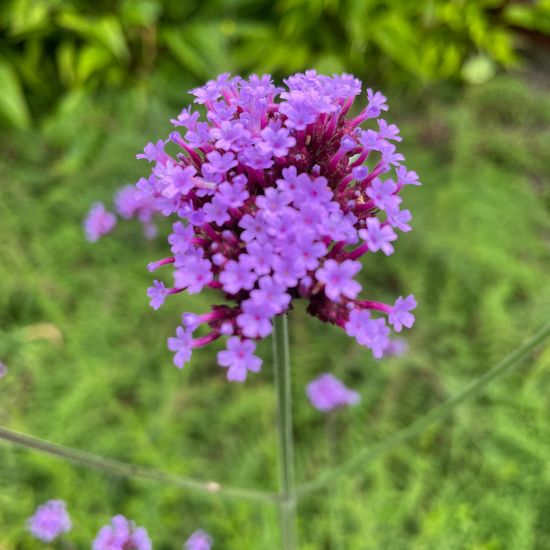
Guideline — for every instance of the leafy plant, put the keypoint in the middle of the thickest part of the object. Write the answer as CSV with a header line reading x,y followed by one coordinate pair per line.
x,y
50,47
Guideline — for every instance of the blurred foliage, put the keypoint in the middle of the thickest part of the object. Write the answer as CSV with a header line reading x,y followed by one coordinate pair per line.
x,y
48,47
98,376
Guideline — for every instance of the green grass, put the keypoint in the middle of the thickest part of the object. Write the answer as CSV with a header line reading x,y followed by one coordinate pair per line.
x,y
98,375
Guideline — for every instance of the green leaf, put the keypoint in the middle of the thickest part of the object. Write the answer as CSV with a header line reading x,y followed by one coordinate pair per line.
x,y
91,60
13,107
66,62
106,30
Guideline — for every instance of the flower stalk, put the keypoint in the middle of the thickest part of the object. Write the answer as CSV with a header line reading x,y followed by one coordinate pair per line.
x,y
281,366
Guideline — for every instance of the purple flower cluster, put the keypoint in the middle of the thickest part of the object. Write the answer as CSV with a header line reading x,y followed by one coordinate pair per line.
x,y
49,521
3,370
275,197
199,540
122,534
327,393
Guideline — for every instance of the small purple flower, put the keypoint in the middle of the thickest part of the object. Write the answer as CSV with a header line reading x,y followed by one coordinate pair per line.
x,y
404,177
255,320
236,276
276,141
378,237
193,274
233,195
158,293
153,152
181,238
327,393
382,194
182,344
220,164
400,315
371,333
49,521
216,211
122,534
399,219
230,136
377,103
199,540
240,359
338,278
3,370
271,295
98,222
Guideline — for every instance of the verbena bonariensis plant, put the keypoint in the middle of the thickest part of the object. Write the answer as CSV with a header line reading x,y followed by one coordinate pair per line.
x,y
275,197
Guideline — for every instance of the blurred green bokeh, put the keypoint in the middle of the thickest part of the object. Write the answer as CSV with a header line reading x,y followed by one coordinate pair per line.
x,y
86,84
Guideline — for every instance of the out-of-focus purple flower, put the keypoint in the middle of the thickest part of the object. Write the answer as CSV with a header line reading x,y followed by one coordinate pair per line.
x,y
239,358
327,393
50,521
122,534
396,348
199,540
274,197
98,222
3,370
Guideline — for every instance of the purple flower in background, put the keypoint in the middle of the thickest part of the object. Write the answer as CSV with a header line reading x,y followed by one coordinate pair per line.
x,y
199,540
98,222
3,370
327,393
50,521
122,534
274,196
396,347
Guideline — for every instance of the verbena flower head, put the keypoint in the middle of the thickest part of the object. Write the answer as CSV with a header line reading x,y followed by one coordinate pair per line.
x,y
327,393
122,534
49,521
199,540
275,194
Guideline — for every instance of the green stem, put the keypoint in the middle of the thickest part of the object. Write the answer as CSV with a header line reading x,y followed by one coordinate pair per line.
x,y
281,367
131,470
437,413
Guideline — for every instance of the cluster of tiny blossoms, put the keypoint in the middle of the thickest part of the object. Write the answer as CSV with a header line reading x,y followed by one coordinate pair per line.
x,y
51,520
276,196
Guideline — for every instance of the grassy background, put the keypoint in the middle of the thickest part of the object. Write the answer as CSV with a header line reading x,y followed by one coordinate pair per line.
x,y
89,366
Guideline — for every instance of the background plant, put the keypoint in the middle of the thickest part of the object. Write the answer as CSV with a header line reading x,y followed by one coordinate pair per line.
x,y
51,47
